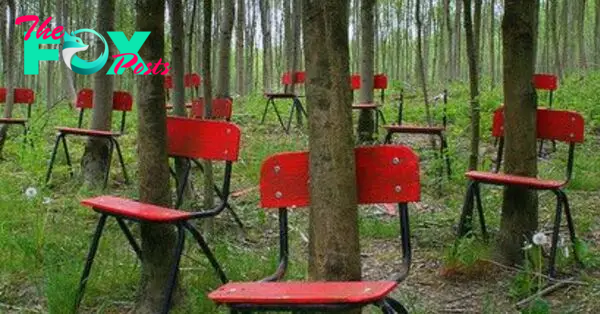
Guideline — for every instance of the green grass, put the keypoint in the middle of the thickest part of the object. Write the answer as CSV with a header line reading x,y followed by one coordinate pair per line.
x,y
43,244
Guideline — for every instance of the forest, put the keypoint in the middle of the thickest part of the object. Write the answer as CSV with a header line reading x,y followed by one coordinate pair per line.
x,y
355,156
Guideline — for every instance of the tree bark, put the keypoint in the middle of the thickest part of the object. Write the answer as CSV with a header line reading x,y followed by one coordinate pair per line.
x,y
580,20
8,68
366,123
239,47
334,250
96,156
158,240
554,37
492,43
208,96
222,89
266,43
519,209
473,57
421,67
67,74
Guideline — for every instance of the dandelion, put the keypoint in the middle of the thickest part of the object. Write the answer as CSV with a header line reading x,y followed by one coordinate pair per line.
x,y
30,192
540,239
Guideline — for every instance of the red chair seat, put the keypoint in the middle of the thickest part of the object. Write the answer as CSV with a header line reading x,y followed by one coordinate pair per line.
x,y
508,179
281,95
412,129
87,132
135,210
273,293
364,106
13,121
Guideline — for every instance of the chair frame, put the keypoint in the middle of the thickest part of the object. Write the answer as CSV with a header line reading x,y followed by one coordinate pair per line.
x,y
570,133
297,196
182,225
25,96
299,78
443,141
549,83
380,82
87,103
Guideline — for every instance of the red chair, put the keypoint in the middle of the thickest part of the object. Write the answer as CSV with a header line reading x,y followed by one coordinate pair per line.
x,y
219,141
549,83
122,101
383,174
379,82
190,80
286,80
222,108
179,128
439,131
23,96
559,125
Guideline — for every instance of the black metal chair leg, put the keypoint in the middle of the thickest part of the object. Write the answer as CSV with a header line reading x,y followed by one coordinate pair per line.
x,y
477,194
264,115
388,138
571,226
90,260
111,147
121,160
174,269
228,206
182,184
292,110
555,234
395,305
53,156
466,218
279,117
206,250
68,157
130,238
444,151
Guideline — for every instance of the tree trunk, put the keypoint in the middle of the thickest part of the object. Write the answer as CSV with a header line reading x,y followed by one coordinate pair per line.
x,y
208,96
554,37
564,18
222,89
67,74
191,42
266,43
519,209
492,43
421,67
597,36
366,123
239,47
158,240
96,156
334,250
580,20
8,57
473,57
295,46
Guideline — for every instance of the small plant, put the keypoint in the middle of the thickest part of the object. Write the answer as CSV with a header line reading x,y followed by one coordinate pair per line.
x,y
466,257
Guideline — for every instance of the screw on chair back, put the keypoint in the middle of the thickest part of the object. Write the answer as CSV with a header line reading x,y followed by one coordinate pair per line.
x,y
384,174
556,125
122,101
222,108
24,96
547,82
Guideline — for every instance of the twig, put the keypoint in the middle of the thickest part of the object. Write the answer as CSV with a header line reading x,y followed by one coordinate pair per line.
x,y
512,268
541,293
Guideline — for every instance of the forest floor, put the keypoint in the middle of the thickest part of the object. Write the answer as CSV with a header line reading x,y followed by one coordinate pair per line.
x,y
44,237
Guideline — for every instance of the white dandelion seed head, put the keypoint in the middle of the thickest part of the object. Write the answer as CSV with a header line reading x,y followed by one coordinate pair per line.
x,y
540,238
30,192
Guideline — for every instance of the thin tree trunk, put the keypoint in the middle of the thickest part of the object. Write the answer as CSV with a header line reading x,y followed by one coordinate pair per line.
x,y
492,43
8,57
473,58
366,122
554,36
239,47
519,209
96,156
208,96
190,42
67,74
421,67
223,81
580,22
266,43
334,250
158,240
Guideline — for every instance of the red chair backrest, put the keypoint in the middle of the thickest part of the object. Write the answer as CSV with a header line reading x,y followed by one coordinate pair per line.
x,y
300,78
559,125
544,81
355,81
384,174
189,80
22,96
222,108
205,139
380,81
122,101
